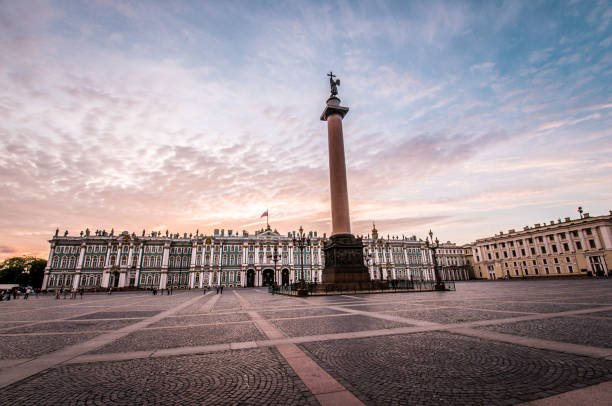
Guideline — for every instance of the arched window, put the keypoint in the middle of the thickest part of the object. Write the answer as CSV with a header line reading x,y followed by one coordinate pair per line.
x,y
72,263
145,263
185,262
199,260
123,260
87,261
55,262
158,261
113,260
64,262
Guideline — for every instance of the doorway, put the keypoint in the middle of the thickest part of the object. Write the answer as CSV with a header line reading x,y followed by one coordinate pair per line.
x,y
285,277
250,278
268,277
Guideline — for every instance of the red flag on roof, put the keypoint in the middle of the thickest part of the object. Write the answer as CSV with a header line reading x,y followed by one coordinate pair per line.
x,y
265,214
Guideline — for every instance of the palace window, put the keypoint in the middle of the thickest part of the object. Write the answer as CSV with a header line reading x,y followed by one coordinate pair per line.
x,y
55,262
578,245
87,261
592,244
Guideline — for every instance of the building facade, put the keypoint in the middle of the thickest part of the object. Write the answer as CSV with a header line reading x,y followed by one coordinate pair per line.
x,y
103,260
561,248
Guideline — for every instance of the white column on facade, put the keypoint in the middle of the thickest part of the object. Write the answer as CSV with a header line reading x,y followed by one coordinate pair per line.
x,y
606,234
192,266
163,280
107,267
139,264
79,265
582,239
48,267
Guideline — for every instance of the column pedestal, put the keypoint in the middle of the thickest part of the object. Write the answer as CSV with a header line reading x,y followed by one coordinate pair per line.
x,y
344,265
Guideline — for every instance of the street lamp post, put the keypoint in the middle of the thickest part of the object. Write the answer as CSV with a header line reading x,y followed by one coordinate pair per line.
x,y
274,257
301,240
433,246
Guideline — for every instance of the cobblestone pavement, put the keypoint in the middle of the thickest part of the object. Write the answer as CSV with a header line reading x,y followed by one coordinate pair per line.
x,y
577,330
258,376
407,348
448,369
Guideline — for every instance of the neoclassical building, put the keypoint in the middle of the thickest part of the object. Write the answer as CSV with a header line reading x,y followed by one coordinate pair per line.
x,y
103,260
561,248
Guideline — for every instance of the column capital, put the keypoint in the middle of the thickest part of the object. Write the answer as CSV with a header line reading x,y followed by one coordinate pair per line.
x,y
333,107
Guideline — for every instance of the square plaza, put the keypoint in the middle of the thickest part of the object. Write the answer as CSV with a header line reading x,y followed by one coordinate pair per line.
x,y
485,343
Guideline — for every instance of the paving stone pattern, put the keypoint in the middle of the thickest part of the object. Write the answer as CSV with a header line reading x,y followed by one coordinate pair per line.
x,y
330,325
447,369
27,346
117,315
184,357
575,330
243,377
184,336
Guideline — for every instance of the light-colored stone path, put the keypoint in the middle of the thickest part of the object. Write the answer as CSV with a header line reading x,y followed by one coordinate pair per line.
x,y
33,366
321,384
596,395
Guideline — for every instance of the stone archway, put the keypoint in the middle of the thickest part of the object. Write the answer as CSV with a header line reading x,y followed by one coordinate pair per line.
x,y
267,277
250,275
115,279
285,277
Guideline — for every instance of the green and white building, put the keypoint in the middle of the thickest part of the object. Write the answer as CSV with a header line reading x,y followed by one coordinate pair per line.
x,y
102,260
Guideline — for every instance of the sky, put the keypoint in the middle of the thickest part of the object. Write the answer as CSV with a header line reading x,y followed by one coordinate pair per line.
x,y
466,118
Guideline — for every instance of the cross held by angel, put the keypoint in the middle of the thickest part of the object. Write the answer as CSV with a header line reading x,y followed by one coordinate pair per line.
x,y
333,83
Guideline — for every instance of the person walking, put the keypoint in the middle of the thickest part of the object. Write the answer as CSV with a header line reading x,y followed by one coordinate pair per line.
x,y
81,292
57,294
221,289
217,290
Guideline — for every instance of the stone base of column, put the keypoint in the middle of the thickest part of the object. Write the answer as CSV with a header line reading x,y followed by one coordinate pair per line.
x,y
344,264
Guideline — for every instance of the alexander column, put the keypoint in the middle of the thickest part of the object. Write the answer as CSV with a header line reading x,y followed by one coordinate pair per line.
x,y
343,252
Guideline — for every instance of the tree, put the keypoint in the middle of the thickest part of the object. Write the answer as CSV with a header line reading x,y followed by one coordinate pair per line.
x,y
23,271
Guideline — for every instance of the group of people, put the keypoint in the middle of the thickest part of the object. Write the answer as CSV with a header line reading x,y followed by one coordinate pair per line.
x,y
73,293
5,295
169,291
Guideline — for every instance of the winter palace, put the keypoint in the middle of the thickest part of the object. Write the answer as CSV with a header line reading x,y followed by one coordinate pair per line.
x,y
104,260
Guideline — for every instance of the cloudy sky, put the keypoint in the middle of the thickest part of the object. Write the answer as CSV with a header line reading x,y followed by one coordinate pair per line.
x,y
466,118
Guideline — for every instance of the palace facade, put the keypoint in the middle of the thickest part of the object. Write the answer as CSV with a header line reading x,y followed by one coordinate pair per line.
x,y
561,248
102,260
